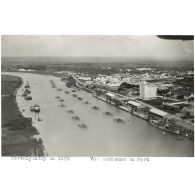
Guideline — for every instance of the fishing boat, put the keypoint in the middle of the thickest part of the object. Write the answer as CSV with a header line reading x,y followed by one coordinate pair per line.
x,y
119,120
82,125
28,97
27,85
32,108
26,92
35,108
70,111
108,113
95,108
76,117
62,105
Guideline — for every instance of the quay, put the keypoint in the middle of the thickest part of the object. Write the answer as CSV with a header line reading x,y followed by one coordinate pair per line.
x,y
128,109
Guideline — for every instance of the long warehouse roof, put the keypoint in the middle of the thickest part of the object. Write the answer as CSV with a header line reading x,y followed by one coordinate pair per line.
x,y
158,112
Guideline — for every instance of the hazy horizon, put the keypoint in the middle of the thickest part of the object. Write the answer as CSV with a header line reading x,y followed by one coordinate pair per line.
x,y
106,61
93,47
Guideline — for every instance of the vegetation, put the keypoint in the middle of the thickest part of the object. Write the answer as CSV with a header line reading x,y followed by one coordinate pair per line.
x,y
17,131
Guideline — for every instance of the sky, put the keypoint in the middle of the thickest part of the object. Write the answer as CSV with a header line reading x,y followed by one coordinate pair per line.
x,y
150,47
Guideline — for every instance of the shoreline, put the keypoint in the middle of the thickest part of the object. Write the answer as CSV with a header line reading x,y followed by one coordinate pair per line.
x,y
23,104
100,98
17,131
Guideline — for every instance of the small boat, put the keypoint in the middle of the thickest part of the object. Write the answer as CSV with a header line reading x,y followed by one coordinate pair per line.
x,y
82,125
95,108
28,97
76,118
61,100
26,92
86,102
57,97
35,108
62,105
27,85
80,98
59,89
119,120
74,95
67,92
70,111
163,132
108,113
32,108
74,91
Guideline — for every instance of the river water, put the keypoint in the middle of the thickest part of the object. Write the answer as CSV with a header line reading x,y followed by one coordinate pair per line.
x,y
103,137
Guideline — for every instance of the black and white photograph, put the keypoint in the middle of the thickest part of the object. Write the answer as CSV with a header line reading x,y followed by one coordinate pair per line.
x,y
97,95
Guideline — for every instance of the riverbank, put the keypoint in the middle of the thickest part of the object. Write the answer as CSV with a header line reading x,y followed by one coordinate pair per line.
x,y
74,84
17,131
62,136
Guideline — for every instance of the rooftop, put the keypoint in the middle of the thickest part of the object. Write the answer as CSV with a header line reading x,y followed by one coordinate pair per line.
x,y
158,112
134,103
110,94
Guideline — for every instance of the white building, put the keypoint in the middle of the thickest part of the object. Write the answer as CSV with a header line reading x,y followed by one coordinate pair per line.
x,y
147,91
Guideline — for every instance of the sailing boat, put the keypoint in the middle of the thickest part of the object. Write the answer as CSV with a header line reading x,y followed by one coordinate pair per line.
x,y
27,85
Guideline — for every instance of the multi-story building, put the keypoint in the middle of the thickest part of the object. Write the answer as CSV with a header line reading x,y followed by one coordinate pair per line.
x,y
147,91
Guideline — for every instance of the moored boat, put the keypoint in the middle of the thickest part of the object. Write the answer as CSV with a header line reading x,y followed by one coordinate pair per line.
x,y
70,111
35,108
62,105
82,125
28,97
95,108
108,113
120,120
26,92
27,85
76,117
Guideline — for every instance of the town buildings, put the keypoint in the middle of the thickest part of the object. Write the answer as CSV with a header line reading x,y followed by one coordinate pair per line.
x,y
147,91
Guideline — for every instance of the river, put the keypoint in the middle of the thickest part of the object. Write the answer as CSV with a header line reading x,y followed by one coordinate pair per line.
x,y
103,137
